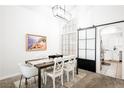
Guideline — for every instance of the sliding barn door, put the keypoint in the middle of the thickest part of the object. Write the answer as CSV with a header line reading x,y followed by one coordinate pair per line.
x,y
87,49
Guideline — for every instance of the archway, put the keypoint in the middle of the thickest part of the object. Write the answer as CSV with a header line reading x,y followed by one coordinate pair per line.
x,y
111,51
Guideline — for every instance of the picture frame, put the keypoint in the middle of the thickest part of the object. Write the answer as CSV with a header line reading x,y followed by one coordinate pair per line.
x,y
36,42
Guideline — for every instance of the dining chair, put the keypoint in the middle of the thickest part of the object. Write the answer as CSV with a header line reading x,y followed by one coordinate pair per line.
x,y
57,71
27,71
70,65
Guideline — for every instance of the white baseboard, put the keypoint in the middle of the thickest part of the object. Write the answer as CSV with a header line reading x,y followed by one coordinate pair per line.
x,y
9,76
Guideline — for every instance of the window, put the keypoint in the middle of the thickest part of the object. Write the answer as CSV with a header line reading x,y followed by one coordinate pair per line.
x,y
69,38
69,44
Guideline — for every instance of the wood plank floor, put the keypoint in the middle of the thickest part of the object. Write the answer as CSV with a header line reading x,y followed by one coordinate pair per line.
x,y
95,80
91,80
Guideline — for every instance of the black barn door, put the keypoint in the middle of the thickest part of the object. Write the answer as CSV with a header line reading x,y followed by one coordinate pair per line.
x,y
87,49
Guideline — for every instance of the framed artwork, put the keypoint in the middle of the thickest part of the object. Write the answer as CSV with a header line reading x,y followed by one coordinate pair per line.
x,y
36,42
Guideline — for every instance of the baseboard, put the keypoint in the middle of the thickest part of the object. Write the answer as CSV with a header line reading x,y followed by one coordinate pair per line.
x,y
9,76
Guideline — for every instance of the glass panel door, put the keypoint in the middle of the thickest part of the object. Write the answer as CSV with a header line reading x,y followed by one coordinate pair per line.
x,y
87,44
91,41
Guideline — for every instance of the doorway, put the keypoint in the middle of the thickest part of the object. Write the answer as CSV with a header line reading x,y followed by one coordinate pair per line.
x,y
111,51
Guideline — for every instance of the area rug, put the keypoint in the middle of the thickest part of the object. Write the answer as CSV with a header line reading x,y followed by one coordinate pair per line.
x,y
33,84
76,79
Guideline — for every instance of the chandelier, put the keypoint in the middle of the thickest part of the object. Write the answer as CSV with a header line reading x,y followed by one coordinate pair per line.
x,y
60,12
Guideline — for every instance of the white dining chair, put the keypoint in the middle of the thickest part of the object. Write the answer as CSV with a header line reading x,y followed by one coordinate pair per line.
x,y
57,71
27,71
70,65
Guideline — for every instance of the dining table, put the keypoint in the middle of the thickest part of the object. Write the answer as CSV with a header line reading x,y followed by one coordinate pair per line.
x,y
42,63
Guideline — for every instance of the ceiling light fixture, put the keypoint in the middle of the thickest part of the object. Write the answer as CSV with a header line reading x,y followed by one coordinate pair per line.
x,y
60,12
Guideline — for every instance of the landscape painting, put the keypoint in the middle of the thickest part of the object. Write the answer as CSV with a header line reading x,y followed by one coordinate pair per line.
x,y
36,42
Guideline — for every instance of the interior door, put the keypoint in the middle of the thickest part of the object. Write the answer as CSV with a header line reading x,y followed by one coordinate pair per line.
x,y
87,49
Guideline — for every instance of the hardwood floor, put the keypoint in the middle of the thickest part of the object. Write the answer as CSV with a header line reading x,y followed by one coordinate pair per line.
x,y
9,82
91,80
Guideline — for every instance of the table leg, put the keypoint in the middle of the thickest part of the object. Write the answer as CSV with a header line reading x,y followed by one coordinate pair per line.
x,y
77,69
26,82
39,78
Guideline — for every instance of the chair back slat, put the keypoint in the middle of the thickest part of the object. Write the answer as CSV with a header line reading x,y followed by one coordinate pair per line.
x,y
71,61
58,65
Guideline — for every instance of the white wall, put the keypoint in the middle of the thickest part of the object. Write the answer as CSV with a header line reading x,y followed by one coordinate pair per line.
x,y
98,63
95,15
16,22
1,40
0,55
